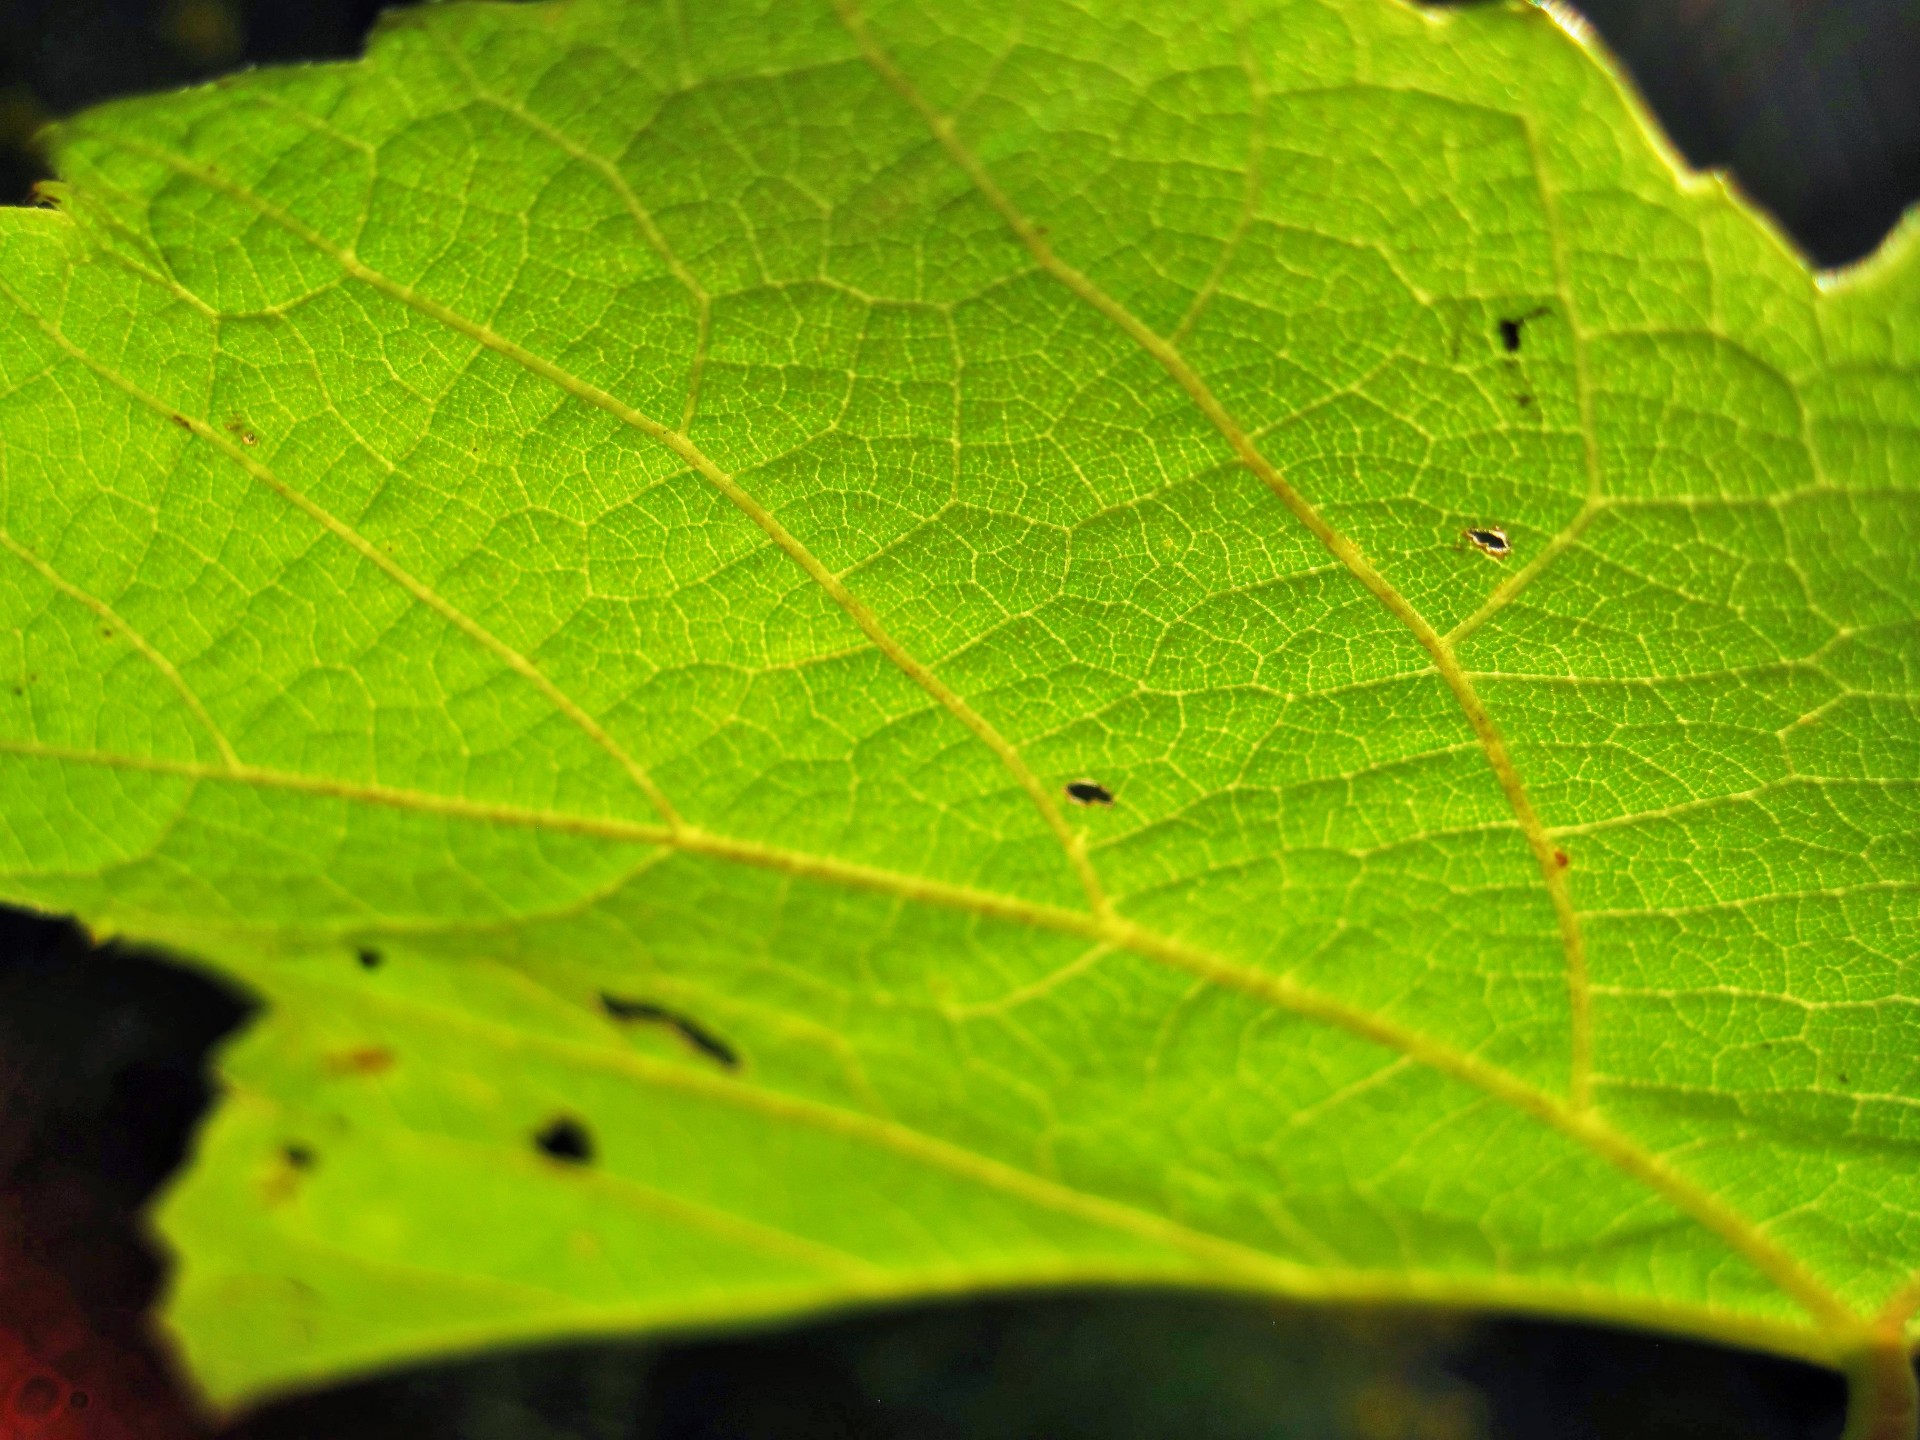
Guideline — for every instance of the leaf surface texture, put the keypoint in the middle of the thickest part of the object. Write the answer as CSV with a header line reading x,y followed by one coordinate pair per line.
x,y
821,655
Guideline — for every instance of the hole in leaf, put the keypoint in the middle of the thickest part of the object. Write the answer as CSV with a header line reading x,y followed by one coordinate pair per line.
x,y
687,1028
1512,330
1490,540
1086,792
565,1139
370,958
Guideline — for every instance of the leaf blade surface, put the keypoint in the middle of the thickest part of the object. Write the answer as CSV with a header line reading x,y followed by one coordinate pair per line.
x,y
603,502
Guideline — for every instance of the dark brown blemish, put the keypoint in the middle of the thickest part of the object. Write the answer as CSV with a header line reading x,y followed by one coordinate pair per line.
x,y
1490,540
238,428
1088,792
1560,859
565,1139
106,632
1523,401
300,1157
687,1028
370,958
366,1060
183,422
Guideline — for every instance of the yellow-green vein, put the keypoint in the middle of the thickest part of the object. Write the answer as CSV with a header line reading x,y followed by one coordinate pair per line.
x,y
1070,840
1168,356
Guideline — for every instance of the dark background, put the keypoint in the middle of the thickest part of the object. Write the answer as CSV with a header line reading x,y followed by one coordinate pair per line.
x,y
1813,105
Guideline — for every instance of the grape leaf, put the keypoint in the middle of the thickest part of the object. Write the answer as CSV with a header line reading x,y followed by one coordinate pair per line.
x,y
822,655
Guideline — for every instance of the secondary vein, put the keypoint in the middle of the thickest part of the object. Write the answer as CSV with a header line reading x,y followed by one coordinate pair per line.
x,y
1582,1126
1574,1117
1071,842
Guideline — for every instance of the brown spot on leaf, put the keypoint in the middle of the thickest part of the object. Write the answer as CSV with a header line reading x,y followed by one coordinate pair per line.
x,y
365,1060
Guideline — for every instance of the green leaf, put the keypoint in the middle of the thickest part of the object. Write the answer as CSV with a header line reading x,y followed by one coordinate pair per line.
x,y
582,555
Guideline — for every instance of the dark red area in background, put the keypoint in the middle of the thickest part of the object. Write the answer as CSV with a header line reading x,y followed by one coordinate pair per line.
x,y
1815,105
101,1079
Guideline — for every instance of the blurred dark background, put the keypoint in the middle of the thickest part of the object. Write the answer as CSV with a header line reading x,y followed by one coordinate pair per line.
x,y
1814,107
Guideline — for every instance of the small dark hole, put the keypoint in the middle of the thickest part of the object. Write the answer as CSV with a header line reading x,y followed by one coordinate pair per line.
x,y
370,958
79,1400
300,1157
564,1138
1491,540
1512,329
37,1397
1086,792
685,1026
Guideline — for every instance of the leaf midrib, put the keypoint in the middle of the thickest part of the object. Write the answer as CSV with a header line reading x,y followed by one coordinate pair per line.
x,y
1575,1122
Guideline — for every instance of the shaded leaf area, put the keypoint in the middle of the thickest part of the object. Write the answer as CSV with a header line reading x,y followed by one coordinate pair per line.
x,y
1809,107
565,511
104,1054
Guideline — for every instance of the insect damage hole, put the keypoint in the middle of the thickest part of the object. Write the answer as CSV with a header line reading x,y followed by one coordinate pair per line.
x,y
1489,540
685,1026
565,1139
1512,329
1088,792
